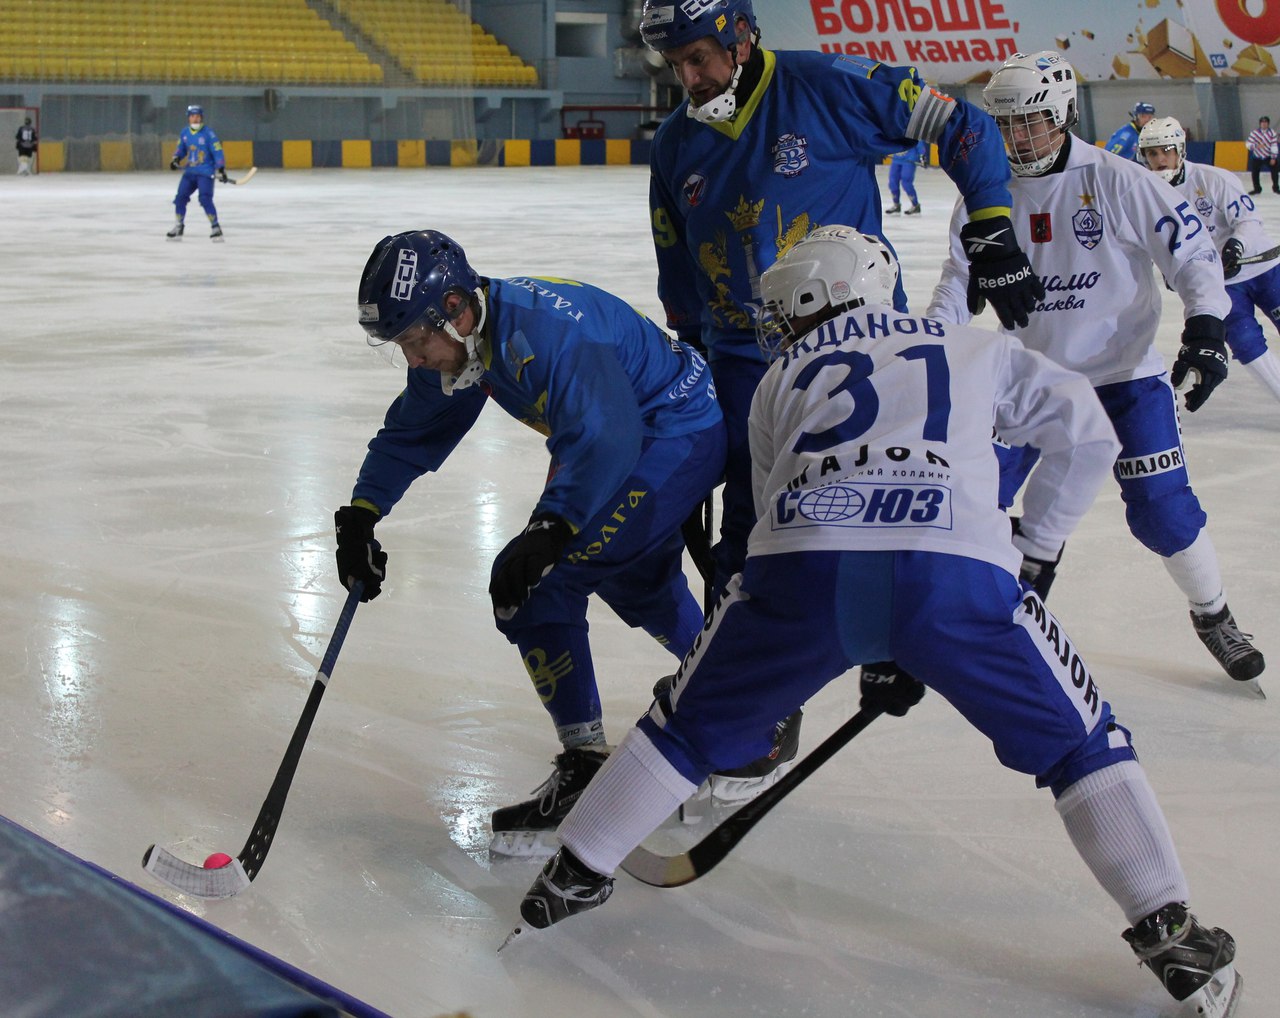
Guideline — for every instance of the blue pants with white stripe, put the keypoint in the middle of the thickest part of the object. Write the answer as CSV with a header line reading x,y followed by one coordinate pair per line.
x,y
1160,506
791,623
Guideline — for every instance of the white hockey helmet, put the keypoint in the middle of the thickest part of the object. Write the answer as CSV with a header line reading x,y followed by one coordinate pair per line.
x,y
833,269
1164,133
1024,88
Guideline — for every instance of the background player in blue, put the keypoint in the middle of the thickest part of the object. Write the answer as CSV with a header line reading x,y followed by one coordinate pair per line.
x,y
902,177
636,442
1124,142
202,152
1235,225
769,145
879,536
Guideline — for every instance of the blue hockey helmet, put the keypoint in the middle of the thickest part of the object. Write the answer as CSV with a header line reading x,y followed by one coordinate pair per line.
x,y
405,281
195,111
667,24
1140,108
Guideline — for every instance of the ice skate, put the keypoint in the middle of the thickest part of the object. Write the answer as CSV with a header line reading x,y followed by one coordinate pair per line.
x,y
175,233
1229,647
742,783
1193,963
528,829
216,233
564,888
893,209
913,211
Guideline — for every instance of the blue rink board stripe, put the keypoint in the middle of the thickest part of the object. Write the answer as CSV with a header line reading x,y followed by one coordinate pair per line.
x,y
52,895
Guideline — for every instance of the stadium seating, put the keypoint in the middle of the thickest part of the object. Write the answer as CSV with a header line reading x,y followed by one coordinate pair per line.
x,y
438,44
249,42
229,42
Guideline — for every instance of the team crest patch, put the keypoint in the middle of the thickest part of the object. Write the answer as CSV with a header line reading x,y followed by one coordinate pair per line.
x,y
1205,207
695,188
1087,224
1041,228
790,154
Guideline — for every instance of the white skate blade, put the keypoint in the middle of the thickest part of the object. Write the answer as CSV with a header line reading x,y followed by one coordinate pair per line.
x,y
695,808
223,882
511,937
1255,687
524,844
1218,998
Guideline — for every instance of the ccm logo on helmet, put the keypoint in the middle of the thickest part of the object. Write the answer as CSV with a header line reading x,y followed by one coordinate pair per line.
x,y
406,274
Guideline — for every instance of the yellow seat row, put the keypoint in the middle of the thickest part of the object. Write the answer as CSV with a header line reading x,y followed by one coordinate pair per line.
x,y
154,69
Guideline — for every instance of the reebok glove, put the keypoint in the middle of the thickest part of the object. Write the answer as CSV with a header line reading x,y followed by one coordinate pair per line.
x,y
1202,360
522,564
999,272
1232,252
360,556
887,689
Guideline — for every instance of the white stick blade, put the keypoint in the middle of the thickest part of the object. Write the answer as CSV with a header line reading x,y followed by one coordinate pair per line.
x,y
223,882
659,870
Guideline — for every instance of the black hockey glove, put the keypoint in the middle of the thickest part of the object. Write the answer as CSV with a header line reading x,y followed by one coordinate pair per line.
x,y
360,556
999,272
1038,573
888,689
1203,358
174,164
1232,252
222,176
526,559
694,339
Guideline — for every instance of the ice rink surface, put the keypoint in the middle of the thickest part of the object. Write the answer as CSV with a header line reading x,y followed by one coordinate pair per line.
x,y
178,423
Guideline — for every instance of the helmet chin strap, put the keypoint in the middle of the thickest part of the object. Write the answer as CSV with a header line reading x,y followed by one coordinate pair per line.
x,y
725,105
477,346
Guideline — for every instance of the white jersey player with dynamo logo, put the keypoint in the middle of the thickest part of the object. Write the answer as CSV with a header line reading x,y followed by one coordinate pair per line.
x,y
1234,223
878,537
1093,225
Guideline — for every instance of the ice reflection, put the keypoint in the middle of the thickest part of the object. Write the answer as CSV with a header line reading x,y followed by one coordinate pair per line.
x,y
64,668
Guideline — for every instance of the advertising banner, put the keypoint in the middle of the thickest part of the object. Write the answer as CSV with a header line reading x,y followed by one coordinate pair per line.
x,y
965,40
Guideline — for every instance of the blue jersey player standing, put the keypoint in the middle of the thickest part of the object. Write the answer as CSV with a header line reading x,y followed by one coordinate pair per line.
x,y
201,150
636,441
1124,142
770,145
902,177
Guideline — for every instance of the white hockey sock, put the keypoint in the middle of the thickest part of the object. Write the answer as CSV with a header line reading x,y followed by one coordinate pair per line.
x,y
1114,821
1267,371
1195,571
629,797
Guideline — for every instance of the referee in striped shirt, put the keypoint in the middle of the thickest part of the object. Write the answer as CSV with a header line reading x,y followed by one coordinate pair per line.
x,y
1264,150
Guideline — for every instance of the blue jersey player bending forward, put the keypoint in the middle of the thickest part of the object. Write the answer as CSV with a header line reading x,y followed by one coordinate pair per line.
x,y
201,152
879,537
636,442
770,145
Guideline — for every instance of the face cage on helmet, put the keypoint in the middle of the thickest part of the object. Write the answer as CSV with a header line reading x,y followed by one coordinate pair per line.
x,y
1032,121
1169,175
776,333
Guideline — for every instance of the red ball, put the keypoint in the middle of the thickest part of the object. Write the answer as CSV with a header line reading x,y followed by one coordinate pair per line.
x,y
217,861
